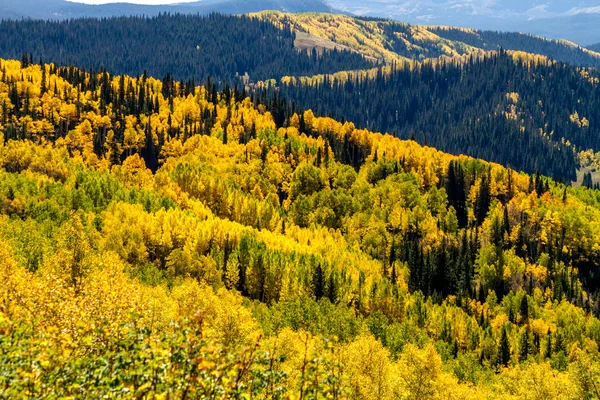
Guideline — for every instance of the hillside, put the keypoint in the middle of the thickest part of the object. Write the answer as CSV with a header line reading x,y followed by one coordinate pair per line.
x,y
159,239
578,21
393,41
63,9
516,109
560,50
220,46
184,46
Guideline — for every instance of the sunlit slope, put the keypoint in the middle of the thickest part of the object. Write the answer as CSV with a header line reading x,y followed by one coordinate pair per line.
x,y
390,41
159,239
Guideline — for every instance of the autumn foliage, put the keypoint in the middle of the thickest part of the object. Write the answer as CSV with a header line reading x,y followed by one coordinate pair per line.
x,y
162,240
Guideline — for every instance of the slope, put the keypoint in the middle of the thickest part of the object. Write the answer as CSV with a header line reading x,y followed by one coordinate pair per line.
x,y
194,47
396,41
577,21
516,109
265,260
184,46
62,9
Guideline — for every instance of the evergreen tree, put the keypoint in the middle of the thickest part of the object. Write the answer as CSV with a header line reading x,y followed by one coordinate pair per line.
x,y
455,188
318,282
483,200
504,349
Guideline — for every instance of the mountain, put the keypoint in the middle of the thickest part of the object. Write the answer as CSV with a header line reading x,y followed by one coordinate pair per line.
x,y
62,9
260,260
515,109
182,46
558,19
266,44
594,47
393,41
550,123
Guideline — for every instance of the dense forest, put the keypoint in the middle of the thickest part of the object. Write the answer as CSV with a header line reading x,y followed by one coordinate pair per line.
x,y
559,50
184,46
219,46
164,240
65,9
519,110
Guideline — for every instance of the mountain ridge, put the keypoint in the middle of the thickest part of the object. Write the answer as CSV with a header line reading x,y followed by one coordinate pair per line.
x,y
554,19
62,9
393,41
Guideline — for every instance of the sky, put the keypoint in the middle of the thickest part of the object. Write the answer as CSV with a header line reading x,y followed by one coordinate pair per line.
x,y
133,1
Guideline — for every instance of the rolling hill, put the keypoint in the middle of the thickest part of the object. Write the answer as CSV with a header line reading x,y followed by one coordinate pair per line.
x,y
274,47
513,108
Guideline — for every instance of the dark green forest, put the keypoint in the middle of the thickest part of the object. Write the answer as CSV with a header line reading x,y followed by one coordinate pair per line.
x,y
525,117
185,46
492,40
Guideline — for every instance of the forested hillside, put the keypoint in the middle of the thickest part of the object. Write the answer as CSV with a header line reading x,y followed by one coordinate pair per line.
x,y
516,109
64,9
184,46
164,240
219,46
560,50
391,41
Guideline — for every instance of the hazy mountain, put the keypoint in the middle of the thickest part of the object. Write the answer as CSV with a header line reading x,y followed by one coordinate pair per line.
x,y
595,47
61,9
577,20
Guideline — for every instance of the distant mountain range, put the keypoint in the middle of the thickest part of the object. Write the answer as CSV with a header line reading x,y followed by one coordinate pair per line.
x,y
62,9
578,21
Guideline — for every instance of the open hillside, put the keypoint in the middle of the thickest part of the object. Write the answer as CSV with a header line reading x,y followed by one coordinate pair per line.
x,y
163,240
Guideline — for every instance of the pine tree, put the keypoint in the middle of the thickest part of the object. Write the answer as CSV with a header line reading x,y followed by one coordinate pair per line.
x,y
318,282
504,349
548,351
455,188
524,346
524,309
482,202
587,180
